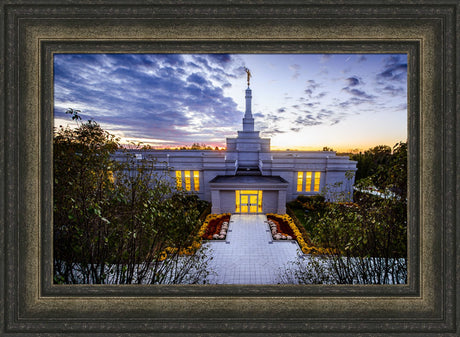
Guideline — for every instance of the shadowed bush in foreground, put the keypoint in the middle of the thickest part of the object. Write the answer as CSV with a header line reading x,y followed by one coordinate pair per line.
x,y
114,220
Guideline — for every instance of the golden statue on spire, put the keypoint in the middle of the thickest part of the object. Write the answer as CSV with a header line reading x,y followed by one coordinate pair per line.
x,y
249,74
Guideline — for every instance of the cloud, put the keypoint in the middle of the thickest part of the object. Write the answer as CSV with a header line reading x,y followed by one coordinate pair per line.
x,y
358,93
307,120
178,98
271,132
296,69
353,101
394,69
195,78
311,87
273,118
335,121
222,59
321,117
324,113
393,90
169,96
320,95
312,84
353,81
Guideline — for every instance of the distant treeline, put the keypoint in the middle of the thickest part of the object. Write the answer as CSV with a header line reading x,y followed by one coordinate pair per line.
x,y
194,146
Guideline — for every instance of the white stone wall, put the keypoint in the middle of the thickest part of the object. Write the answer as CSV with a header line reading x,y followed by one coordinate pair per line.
x,y
227,202
248,150
334,183
270,201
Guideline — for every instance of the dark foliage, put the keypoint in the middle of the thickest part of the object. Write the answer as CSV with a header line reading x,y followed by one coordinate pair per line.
x,y
114,220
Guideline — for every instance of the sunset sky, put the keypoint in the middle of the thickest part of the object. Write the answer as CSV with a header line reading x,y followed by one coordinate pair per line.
x,y
300,101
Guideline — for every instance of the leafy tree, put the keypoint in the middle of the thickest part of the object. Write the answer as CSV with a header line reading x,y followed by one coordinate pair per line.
x,y
114,220
368,240
397,172
369,236
82,180
372,161
385,167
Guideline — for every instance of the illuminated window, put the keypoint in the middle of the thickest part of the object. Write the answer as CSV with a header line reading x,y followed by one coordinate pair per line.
x,y
237,201
244,203
307,181
188,175
310,177
299,181
196,180
260,202
179,180
187,180
317,180
248,201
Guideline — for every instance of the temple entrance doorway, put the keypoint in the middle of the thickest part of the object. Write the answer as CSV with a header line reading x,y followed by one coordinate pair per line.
x,y
248,201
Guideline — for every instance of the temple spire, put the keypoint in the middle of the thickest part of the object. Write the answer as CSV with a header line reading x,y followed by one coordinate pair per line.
x,y
248,120
248,72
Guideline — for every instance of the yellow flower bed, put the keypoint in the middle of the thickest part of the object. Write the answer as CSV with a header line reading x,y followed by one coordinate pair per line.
x,y
190,250
306,249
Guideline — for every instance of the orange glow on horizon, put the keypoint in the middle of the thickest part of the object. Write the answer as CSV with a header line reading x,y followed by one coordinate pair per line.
x,y
352,148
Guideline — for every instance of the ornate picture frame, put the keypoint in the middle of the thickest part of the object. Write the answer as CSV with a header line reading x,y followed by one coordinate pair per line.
x,y
426,30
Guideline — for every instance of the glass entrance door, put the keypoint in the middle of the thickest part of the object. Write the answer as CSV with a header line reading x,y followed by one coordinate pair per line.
x,y
248,201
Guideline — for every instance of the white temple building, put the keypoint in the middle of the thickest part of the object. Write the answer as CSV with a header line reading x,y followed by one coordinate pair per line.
x,y
250,178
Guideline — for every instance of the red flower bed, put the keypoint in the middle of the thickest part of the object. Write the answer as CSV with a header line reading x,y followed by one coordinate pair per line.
x,y
214,227
282,226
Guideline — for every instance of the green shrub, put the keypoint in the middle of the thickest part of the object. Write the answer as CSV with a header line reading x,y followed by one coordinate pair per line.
x,y
318,198
113,219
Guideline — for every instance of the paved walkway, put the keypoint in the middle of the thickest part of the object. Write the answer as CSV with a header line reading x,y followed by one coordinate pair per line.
x,y
249,255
